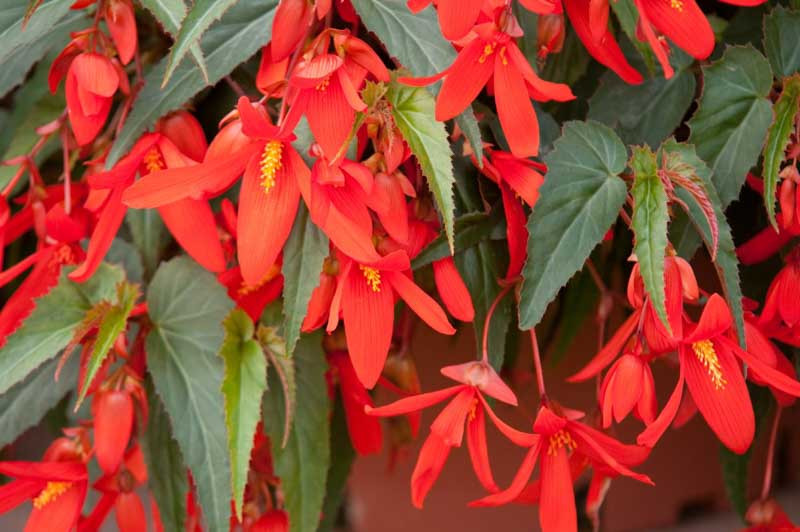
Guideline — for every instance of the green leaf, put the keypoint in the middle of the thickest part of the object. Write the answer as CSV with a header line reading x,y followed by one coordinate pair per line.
x,y
12,17
648,112
244,383
26,403
15,65
413,110
150,236
166,472
578,202
785,109
170,14
479,269
303,464
470,229
726,263
303,256
275,348
782,40
50,326
112,324
123,254
416,41
732,118
201,16
240,33
649,222
187,307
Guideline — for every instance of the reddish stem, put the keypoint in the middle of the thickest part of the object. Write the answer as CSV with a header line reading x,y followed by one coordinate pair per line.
x,y
773,436
537,364
487,321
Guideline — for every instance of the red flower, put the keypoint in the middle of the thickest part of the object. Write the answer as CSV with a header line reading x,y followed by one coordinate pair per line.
x,y
365,294
57,490
113,415
325,87
122,25
492,53
782,304
119,492
456,17
708,364
453,291
447,431
91,83
253,299
554,438
190,220
292,20
628,385
272,521
274,175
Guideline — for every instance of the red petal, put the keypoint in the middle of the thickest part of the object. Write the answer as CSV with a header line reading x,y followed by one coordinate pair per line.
x,y
589,446
479,451
113,422
514,109
771,376
517,437
122,25
516,232
255,122
95,73
84,127
369,318
456,17
352,239
61,514
292,18
421,303
414,402
557,502
104,233
605,50
727,410
130,513
715,320
686,26
258,249
192,224
431,460
453,291
609,351
523,179
16,492
517,485
365,430
449,424
656,429
465,79
330,117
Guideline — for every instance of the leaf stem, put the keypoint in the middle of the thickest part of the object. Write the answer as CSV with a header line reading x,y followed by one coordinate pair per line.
x,y
487,321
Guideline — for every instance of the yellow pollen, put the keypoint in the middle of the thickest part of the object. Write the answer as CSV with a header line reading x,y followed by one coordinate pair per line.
x,y
471,415
153,161
373,277
270,163
560,439
51,492
704,350
676,5
487,51
323,85
246,289
503,57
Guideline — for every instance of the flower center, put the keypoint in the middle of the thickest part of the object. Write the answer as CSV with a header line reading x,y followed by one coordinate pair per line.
x,y
704,351
488,50
323,85
51,492
471,415
561,439
246,289
373,277
153,161
677,5
270,163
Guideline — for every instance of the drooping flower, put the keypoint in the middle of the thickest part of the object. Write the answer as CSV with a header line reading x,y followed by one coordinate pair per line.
x,y
292,19
92,80
711,371
628,386
456,17
366,433
492,53
365,295
274,177
556,437
465,412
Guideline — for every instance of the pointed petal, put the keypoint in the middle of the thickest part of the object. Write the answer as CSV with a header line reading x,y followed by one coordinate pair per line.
x,y
369,318
517,484
421,303
122,25
715,320
449,424
517,437
479,451
726,409
683,22
330,117
609,351
456,17
771,376
464,81
557,502
61,514
104,233
453,291
129,512
257,248
656,429
514,109
414,402
365,430
113,423
192,224
589,446
430,462
255,122
524,180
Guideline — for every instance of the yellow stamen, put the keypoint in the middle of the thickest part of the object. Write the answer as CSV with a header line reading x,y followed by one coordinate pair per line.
x,y
704,351
503,57
323,85
560,439
153,161
676,5
51,492
245,289
270,163
487,51
471,415
373,277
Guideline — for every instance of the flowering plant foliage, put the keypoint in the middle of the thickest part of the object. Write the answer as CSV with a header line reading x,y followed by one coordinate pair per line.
x,y
220,225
